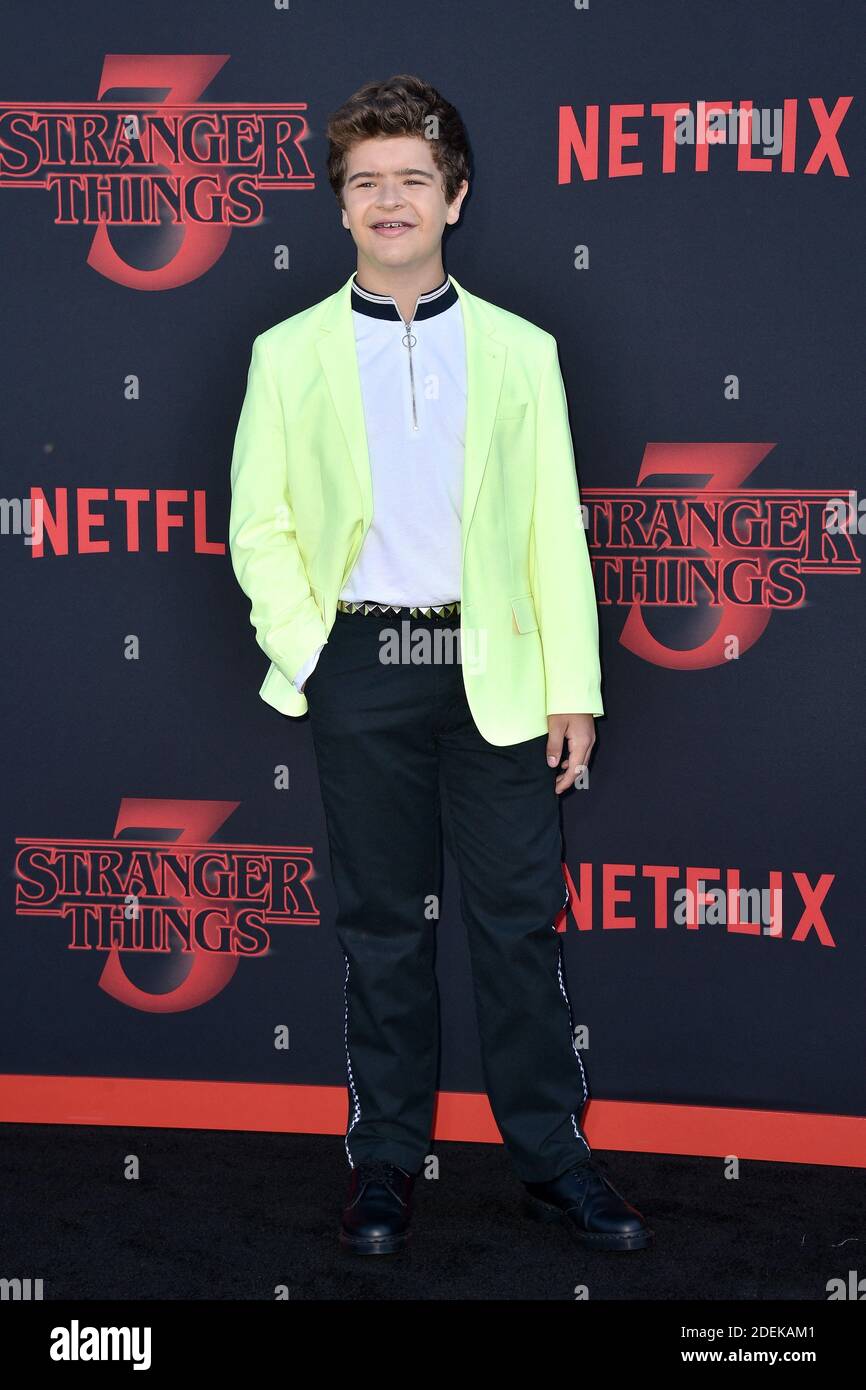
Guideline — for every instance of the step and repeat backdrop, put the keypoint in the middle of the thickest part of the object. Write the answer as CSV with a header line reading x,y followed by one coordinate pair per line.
x,y
674,192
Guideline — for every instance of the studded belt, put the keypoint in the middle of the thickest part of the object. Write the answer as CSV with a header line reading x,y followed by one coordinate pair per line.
x,y
441,610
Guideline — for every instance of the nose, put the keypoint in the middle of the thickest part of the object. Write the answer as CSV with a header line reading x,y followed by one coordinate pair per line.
x,y
389,194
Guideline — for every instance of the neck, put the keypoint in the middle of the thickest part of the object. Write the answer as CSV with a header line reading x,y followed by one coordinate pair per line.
x,y
403,283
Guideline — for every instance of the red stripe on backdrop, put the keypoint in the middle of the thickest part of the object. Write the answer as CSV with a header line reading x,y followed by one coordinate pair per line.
x,y
634,1126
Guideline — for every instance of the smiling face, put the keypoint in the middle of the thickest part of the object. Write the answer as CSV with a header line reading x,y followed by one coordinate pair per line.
x,y
394,204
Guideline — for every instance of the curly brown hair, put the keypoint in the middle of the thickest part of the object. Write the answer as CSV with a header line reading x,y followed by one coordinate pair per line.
x,y
402,105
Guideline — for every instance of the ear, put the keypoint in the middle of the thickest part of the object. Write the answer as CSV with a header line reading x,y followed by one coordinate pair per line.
x,y
454,208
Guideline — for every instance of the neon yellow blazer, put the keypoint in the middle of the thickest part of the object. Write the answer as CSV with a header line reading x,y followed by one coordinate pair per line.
x,y
302,502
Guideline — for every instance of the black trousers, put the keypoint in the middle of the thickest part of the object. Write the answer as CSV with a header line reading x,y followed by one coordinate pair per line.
x,y
400,758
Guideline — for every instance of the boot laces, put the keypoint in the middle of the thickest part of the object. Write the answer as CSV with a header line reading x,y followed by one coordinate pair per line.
x,y
378,1170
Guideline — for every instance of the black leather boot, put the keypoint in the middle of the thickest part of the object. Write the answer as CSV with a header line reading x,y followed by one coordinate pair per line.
x,y
376,1216
590,1206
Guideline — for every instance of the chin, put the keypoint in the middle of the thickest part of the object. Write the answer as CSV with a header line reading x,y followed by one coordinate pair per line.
x,y
392,253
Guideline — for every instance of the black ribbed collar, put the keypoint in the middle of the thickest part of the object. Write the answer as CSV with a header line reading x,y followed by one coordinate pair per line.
x,y
384,306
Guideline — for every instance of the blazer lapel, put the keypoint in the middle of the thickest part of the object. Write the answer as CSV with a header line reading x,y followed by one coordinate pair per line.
x,y
339,359
485,366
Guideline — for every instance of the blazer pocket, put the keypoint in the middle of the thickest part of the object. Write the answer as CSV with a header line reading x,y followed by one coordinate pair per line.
x,y
510,412
523,608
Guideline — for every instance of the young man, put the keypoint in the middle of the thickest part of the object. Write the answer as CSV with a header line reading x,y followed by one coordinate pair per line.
x,y
405,521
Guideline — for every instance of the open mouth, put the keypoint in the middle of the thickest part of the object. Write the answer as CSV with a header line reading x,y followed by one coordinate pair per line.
x,y
394,227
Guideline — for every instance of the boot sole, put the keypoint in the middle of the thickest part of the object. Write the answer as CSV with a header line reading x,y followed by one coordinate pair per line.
x,y
594,1240
386,1245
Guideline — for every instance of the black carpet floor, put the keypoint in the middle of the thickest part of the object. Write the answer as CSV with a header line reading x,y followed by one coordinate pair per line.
x,y
218,1215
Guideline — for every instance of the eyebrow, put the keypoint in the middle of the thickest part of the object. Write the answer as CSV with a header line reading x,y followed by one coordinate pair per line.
x,y
374,174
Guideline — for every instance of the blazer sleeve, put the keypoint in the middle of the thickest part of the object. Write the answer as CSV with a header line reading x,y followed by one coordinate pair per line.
x,y
561,570
262,540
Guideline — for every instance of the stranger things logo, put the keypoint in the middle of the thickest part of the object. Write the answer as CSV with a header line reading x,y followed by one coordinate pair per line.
x,y
714,561
172,172
161,901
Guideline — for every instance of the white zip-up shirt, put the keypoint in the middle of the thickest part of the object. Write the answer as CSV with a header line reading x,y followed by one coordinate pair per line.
x,y
413,386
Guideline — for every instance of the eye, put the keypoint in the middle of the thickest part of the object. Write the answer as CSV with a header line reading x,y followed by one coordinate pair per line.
x,y
368,183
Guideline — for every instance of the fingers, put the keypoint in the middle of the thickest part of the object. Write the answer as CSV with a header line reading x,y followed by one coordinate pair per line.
x,y
554,748
576,763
